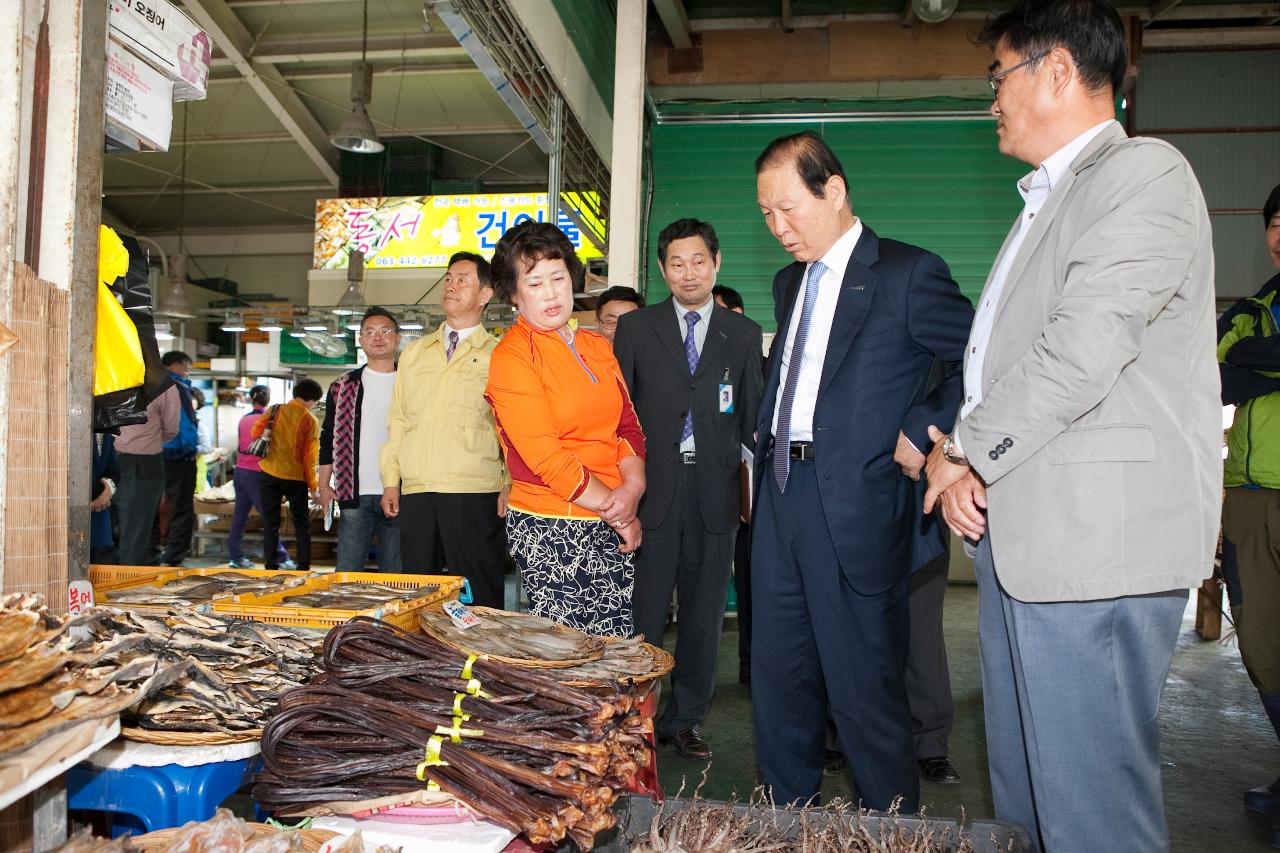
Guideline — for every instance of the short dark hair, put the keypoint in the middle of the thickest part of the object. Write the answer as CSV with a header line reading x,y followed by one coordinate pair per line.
x,y
812,157
1272,207
683,228
484,269
197,397
260,395
618,293
520,249
732,298
175,356
379,311
307,389
1089,29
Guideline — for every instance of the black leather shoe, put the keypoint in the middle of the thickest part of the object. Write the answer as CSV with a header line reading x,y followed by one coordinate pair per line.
x,y
1263,800
939,769
689,744
833,762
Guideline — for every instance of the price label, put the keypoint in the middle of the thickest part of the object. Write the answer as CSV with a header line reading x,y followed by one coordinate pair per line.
x,y
79,597
461,614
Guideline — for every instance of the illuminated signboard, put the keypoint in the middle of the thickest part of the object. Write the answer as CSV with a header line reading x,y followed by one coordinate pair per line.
x,y
423,231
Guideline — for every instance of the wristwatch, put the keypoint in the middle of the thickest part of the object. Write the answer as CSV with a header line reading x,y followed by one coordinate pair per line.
x,y
949,452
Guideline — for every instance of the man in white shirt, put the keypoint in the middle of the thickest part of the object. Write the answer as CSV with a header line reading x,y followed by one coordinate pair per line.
x,y
842,432
355,429
1086,461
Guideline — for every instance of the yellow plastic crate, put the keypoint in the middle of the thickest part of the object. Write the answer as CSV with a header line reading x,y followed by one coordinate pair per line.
x,y
402,614
102,592
106,577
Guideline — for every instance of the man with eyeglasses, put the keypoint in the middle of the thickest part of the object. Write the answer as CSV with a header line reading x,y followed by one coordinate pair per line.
x,y
611,305
355,429
693,368
1086,461
442,468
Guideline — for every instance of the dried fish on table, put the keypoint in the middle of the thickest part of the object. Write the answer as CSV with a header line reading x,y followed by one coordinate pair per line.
x,y
627,660
355,595
193,590
23,623
512,743
513,636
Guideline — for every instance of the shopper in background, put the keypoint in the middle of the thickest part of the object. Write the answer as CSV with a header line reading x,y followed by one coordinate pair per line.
x,y
139,449
106,473
693,370
612,304
573,444
1249,352
441,467
842,434
247,477
1086,461
180,465
355,429
289,471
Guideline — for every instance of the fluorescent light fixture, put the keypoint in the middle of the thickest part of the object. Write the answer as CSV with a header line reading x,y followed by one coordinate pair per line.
x,y
234,323
412,322
298,330
164,332
270,324
314,324
353,324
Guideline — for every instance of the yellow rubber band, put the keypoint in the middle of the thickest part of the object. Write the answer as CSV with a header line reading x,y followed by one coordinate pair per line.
x,y
466,670
432,758
456,732
432,785
457,705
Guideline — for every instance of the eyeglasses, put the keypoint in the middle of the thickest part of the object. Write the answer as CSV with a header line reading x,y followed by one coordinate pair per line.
x,y
609,322
378,333
995,79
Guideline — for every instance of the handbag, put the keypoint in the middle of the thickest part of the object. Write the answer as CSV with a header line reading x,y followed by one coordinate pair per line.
x,y
260,445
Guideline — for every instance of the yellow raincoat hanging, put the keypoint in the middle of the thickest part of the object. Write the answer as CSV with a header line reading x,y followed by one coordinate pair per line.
x,y
118,360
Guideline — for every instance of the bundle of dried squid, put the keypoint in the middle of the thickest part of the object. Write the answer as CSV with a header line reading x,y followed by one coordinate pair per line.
x,y
394,712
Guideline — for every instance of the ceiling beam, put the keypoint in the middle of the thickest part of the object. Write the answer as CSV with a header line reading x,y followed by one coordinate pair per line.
x,y
274,241
676,22
347,49
1183,12
209,189
269,138
344,72
1210,39
221,23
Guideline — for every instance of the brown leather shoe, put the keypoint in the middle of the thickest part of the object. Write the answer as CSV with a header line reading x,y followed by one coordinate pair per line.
x,y
689,744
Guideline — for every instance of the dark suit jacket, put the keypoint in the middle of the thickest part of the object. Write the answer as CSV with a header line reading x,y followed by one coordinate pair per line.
x,y
650,350
898,311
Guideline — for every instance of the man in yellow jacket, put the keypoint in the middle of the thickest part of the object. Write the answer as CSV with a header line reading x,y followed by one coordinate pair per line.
x,y
442,471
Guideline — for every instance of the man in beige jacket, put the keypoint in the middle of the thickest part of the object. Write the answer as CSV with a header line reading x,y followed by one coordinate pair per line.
x,y
442,471
1091,435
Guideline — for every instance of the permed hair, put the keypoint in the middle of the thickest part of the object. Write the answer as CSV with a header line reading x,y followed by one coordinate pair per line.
x,y
520,249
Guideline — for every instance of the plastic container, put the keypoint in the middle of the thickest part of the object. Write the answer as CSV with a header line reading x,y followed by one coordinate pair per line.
x,y
402,614
106,577
636,813
102,592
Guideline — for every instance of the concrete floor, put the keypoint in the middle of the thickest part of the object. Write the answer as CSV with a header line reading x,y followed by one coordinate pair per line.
x,y
1215,738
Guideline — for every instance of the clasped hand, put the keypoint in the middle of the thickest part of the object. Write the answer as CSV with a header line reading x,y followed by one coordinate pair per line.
x,y
958,489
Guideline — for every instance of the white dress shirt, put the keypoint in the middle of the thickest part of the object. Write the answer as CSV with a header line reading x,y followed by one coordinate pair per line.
x,y
463,334
815,346
1035,188
699,338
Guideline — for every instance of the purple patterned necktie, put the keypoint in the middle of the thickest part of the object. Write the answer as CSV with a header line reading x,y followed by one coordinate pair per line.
x,y
782,435
453,345
691,354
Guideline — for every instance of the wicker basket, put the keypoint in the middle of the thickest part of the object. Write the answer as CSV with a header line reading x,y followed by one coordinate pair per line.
x,y
158,841
457,640
168,738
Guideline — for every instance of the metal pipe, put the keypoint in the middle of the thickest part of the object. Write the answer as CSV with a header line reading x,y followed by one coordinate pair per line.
x,y
553,163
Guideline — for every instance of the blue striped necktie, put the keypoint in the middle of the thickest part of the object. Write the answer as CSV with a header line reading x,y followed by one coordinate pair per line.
x,y
782,436
691,319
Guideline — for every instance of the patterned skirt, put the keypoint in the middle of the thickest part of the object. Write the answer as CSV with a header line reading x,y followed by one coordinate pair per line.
x,y
573,572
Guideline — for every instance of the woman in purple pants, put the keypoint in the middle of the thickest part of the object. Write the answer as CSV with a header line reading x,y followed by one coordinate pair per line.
x,y
248,481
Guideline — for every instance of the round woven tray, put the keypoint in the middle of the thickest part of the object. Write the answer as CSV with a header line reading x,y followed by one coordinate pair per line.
x,y
434,621
663,663
165,738
156,842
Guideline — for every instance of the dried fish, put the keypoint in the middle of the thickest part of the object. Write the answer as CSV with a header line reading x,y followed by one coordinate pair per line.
x,y
515,636
192,590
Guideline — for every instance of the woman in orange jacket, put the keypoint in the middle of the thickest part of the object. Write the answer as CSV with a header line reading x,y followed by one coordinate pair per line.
x,y
573,445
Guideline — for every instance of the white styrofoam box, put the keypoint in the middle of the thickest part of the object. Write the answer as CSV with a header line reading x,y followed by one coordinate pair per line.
x,y
222,365
160,33
139,102
261,358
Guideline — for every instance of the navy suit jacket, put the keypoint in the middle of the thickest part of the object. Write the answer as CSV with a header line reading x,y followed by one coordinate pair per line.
x,y
899,314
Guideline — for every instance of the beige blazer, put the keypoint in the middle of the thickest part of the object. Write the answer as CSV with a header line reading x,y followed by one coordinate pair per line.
x,y
1099,434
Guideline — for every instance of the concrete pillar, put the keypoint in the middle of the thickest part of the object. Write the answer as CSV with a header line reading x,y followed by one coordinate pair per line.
x,y
628,145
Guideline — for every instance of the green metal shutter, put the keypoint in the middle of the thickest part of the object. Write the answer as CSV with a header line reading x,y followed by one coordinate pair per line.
x,y
940,184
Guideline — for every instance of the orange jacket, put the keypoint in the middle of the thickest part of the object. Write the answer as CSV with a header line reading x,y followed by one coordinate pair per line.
x,y
295,443
563,414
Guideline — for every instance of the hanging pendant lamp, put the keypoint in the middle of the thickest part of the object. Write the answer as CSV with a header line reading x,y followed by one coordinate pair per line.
x,y
357,133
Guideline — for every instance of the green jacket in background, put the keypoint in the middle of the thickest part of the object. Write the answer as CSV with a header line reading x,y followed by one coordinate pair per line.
x,y
1249,343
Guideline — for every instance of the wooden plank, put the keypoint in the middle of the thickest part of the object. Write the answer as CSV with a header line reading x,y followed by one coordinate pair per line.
x,y
883,50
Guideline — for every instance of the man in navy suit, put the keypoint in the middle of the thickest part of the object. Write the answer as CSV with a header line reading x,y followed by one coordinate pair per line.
x,y
843,429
